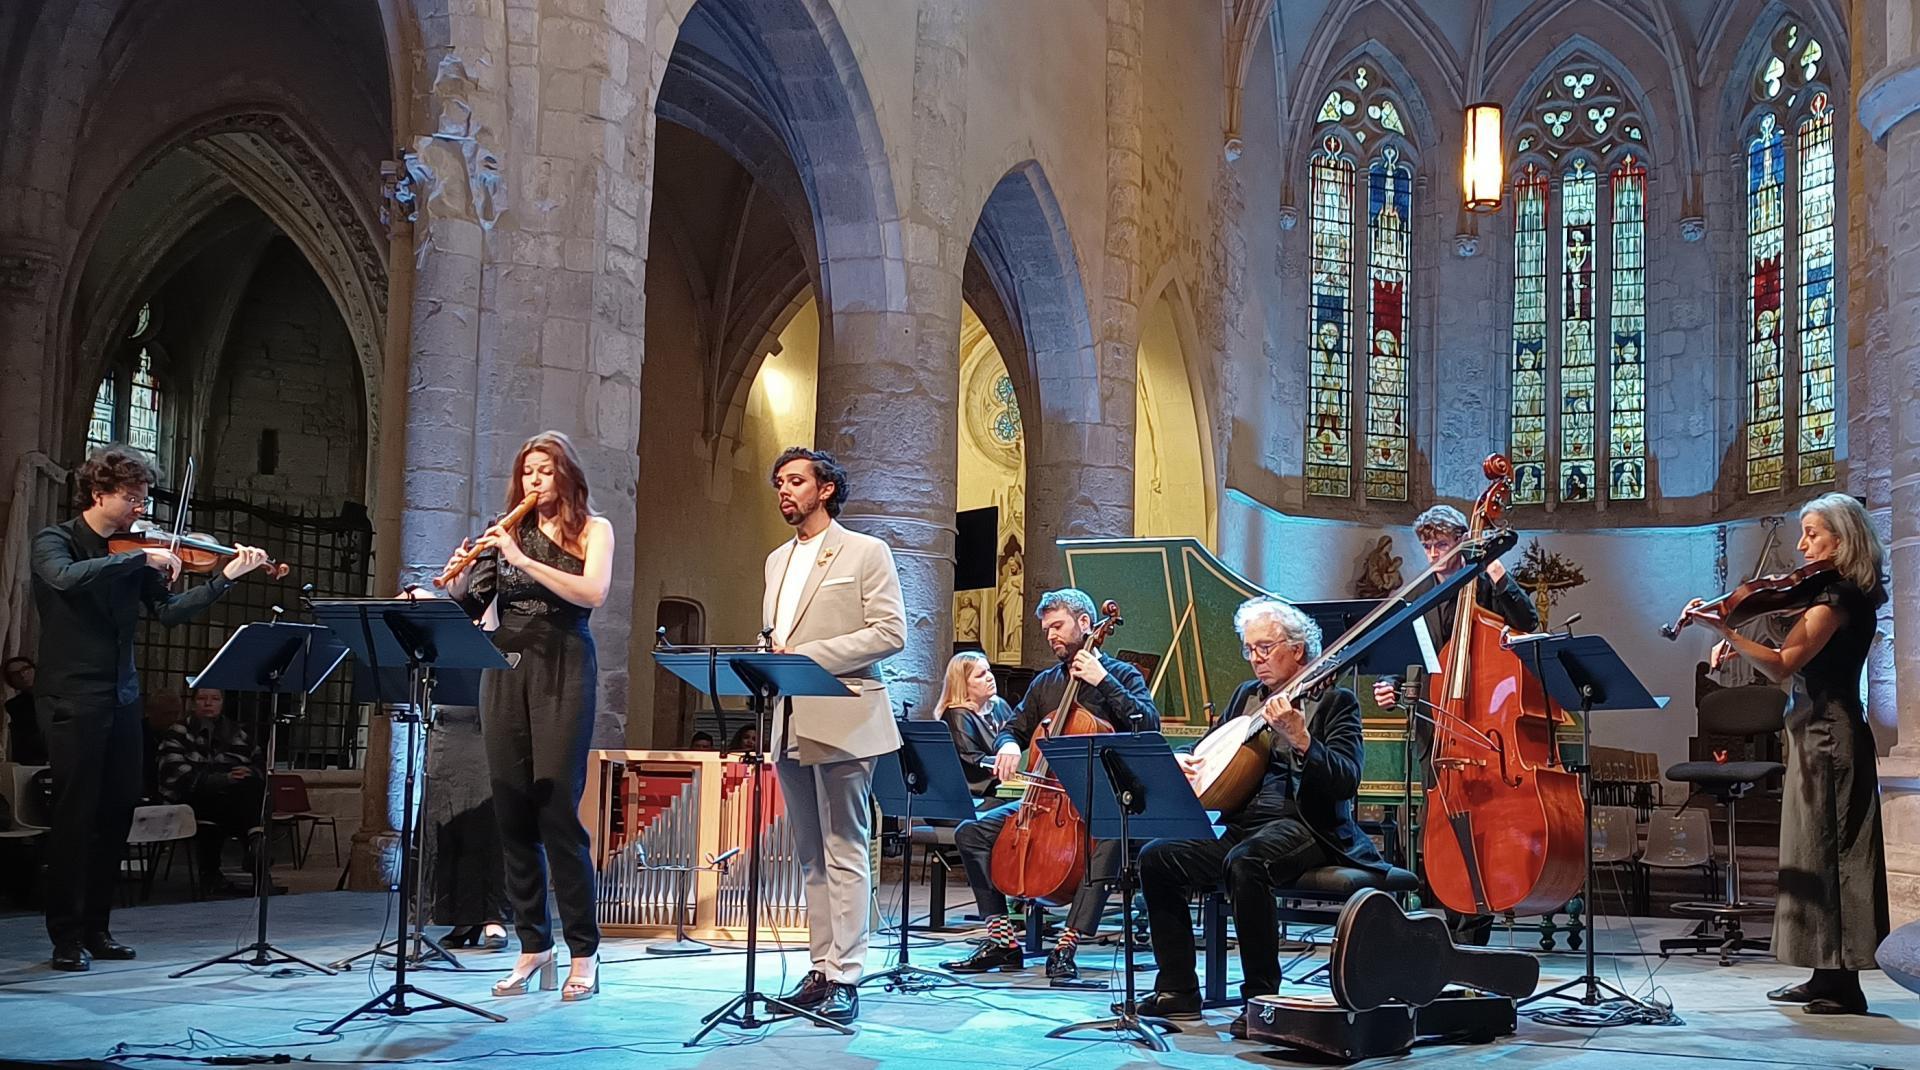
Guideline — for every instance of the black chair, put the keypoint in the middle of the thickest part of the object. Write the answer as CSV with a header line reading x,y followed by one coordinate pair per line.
x,y
1747,712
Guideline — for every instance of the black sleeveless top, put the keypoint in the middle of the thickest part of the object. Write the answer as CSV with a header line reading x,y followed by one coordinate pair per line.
x,y
518,593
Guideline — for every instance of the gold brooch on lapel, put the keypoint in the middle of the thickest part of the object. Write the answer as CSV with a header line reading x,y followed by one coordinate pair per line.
x,y
827,556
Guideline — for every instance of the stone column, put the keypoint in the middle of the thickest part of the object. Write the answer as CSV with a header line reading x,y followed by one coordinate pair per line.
x,y
1081,483
525,308
889,383
1889,106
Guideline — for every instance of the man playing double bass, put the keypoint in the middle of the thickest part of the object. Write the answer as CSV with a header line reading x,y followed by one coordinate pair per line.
x,y
1300,818
1110,689
1440,529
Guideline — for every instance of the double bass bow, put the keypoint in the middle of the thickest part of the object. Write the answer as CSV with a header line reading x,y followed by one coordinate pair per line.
x,y
1504,826
1042,851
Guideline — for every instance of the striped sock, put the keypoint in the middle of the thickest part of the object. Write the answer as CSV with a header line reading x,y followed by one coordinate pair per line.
x,y
1000,932
1068,940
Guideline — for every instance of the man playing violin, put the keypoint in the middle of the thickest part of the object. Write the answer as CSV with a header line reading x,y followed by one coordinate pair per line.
x,y
88,694
1112,690
1300,818
1441,529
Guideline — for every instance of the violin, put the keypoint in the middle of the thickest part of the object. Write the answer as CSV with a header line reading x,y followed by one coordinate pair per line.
x,y
198,554
1763,596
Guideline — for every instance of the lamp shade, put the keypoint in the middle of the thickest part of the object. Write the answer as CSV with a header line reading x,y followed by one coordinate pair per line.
x,y
1483,174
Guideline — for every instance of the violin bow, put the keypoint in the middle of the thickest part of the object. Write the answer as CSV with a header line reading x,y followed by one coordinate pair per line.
x,y
180,511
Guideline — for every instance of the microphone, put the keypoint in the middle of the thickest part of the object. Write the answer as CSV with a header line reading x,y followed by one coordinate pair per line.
x,y
1569,623
276,611
906,709
766,638
660,639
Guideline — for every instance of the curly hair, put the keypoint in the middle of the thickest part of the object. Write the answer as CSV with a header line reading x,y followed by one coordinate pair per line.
x,y
826,469
109,470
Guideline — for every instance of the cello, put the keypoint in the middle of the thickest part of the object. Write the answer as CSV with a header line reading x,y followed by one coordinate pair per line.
x,y
1504,827
1042,852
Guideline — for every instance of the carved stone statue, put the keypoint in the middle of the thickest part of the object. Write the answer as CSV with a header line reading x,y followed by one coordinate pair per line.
x,y
452,171
1380,572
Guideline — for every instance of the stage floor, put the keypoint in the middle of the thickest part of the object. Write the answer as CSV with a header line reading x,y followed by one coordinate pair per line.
x,y
649,1005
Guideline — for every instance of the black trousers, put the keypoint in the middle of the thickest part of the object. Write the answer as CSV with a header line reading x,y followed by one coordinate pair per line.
x,y
232,805
538,723
974,840
94,749
1264,847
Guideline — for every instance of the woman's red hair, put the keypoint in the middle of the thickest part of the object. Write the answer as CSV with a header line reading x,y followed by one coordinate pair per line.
x,y
575,506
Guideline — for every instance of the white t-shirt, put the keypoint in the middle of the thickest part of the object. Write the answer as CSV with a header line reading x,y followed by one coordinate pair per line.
x,y
805,553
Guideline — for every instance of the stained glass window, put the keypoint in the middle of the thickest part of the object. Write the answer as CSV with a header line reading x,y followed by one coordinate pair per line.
x,y
1815,151
1766,364
1529,449
1389,200
1359,299
1330,430
100,425
143,406
1583,350
1792,307
1627,385
126,406
1578,194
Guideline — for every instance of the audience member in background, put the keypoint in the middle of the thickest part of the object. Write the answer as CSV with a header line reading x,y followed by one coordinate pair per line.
x,y
28,746
746,738
160,713
700,741
207,762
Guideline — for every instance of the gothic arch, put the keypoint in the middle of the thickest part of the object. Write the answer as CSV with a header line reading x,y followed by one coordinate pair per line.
x,y
274,164
1735,106
1167,286
808,88
1421,140
1023,244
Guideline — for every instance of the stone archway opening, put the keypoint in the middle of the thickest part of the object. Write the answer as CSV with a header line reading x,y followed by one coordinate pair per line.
x,y
1171,491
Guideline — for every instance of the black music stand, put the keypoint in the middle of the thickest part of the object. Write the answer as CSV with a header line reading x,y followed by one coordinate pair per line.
x,y
427,635
269,659
761,677
926,766
1585,672
394,687
1139,792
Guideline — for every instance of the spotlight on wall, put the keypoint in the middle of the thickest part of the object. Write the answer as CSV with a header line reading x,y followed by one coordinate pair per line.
x,y
1483,173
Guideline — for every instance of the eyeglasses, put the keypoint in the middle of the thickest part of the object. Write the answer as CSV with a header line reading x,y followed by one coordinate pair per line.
x,y
1260,651
140,501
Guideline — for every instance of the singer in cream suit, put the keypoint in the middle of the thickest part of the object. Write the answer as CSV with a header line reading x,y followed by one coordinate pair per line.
x,y
833,595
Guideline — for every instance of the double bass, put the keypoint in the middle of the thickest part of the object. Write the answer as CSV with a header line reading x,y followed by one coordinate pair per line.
x,y
1504,827
1042,852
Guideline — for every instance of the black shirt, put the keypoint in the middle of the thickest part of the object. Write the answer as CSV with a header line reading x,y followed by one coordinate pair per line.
x,y
1507,599
1122,700
89,602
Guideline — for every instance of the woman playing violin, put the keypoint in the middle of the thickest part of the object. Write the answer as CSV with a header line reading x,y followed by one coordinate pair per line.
x,y
87,692
1831,912
538,582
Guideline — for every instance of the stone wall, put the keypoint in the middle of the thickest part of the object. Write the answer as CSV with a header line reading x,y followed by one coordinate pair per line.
x,y
288,372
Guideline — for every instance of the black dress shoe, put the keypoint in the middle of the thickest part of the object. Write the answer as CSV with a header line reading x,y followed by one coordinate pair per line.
x,y
104,946
989,957
841,1005
1237,1029
812,992
1060,965
1800,993
70,958
1178,1006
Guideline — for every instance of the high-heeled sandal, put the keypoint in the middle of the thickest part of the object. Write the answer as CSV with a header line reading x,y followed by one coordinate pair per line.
x,y
576,990
515,983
